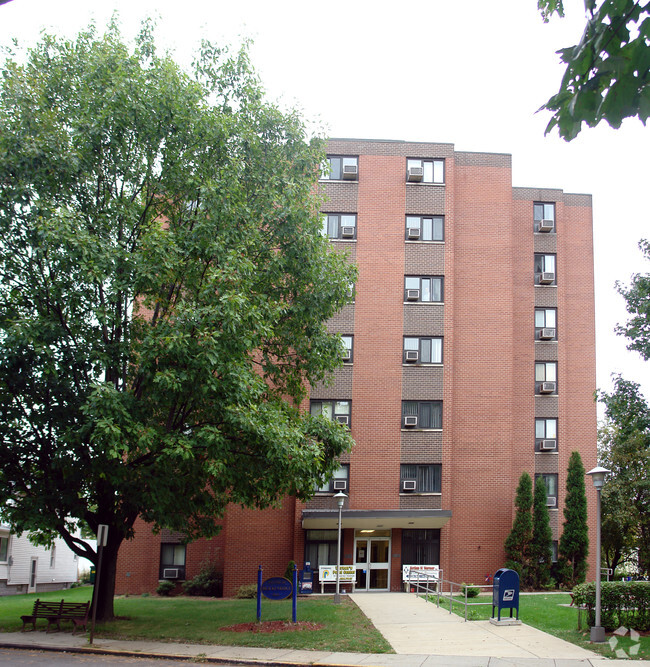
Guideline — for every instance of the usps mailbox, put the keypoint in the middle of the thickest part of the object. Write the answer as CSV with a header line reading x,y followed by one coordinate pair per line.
x,y
306,579
505,592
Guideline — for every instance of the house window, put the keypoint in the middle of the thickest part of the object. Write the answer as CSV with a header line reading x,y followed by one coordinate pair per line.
x,y
545,324
339,168
425,171
550,480
545,435
335,410
546,377
53,555
544,217
422,414
545,270
348,346
172,561
421,546
341,226
425,289
420,478
424,228
340,481
320,548
554,551
423,350
4,549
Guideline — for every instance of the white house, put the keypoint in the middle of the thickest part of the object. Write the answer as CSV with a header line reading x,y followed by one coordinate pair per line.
x,y
28,568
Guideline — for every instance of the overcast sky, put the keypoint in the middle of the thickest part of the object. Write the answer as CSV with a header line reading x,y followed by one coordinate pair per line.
x,y
472,73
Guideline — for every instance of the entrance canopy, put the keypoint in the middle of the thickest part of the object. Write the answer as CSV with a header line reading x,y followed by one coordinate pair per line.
x,y
375,519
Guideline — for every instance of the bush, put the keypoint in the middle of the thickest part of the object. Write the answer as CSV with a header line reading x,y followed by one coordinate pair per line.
x,y
209,582
624,603
288,573
165,588
472,591
247,592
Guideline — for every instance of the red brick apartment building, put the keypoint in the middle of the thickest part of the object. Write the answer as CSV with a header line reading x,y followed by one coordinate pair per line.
x,y
471,358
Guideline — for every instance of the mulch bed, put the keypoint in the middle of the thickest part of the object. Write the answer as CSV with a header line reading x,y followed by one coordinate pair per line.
x,y
273,626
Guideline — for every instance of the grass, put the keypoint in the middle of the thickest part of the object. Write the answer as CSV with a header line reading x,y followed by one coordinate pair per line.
x,y
168,619
552,613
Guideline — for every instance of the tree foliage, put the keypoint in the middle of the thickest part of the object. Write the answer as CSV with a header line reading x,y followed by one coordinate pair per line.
x,y
637,304
608,72
542,539
163,293
518,542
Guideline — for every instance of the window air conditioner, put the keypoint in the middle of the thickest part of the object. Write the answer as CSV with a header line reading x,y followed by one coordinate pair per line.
x,y
350,172
547,278
547,334
551,501
548,445
413,233
415,174
170,573
347,354
340,484
546,225
343,419
409,485
547,388
410,420
347,232
412,294
412,355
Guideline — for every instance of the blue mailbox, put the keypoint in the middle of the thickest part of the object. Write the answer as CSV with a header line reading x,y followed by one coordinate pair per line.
x,y
306,579
505,592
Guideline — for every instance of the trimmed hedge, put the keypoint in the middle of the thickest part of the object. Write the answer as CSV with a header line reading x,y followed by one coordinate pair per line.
x,y
622,603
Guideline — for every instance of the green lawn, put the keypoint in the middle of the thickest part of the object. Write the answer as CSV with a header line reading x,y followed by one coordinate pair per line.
x,y
552,614
200,621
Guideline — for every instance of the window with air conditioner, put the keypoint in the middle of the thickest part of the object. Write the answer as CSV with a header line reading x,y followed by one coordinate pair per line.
x,y
422,350
348,347
340,226
545,324
546,377
550,481
424,228
425,170
338,482
423,289
545,434
340,168
545,273
544,217
420,478
172,561
428,414
334,410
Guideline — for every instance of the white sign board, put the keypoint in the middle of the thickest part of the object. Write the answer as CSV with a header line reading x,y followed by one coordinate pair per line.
x,y
327,573
420,572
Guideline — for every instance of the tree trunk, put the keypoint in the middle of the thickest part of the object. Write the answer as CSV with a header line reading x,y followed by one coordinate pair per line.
x,y
104,589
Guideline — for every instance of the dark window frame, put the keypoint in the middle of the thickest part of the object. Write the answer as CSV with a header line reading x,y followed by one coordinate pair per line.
x,y
420,546
539,267
336,164
338,236
538,382
427,476
432,289
546,436
419,409
420,226
333,402
314,544
546,325
540,210
350,347
336,476
433,162
551,480
422,344
165,564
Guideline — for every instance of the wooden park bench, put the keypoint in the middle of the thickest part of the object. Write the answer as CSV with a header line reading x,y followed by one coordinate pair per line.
x,y
55,612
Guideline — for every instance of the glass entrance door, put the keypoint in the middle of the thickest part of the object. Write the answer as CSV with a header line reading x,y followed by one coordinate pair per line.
x,y
371,561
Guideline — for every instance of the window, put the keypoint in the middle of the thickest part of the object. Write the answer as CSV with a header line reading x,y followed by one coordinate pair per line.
x,y
550,480
544,217
347,348
335,410
545,324
340,167
422,350
425,171
422,414
4,549
320,548
424,478
53,555
554,551
172,561
340,226
424,228
545,435
424,289
339,481
421,546
545,270
546,377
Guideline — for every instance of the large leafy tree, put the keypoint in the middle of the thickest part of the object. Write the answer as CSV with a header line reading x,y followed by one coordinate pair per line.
x,y
607,74
163,293
518,542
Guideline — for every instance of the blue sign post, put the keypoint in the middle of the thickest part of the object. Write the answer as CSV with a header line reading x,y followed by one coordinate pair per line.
x,y
277,588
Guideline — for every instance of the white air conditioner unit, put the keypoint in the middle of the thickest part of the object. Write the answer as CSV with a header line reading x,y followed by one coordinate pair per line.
x,y
547,334
547,388
343,419
350,172
347,354
410,420
340,484
413,233
170,573
547,278
415,174
412,294
347,232
546,225
412,356
548,445
551,501
409,485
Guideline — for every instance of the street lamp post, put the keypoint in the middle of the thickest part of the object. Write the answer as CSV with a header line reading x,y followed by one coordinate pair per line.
x,y
340,500
597,633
